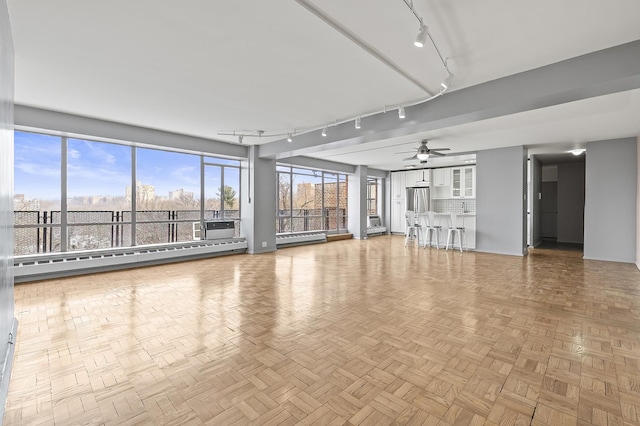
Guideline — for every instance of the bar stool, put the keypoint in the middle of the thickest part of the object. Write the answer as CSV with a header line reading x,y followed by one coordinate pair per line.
x,y
455,229
413,229
432,229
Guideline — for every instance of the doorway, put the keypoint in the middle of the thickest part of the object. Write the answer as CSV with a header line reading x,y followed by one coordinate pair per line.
x,y
557,208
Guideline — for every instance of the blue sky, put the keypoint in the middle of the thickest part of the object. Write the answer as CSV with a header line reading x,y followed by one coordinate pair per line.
x,y
98,168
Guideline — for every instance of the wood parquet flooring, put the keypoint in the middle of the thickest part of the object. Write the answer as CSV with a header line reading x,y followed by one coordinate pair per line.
x,y
347,333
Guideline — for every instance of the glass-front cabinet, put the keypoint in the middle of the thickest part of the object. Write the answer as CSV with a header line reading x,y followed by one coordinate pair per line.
x,y
463,182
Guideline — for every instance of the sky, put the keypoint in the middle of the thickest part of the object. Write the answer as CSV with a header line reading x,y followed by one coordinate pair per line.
x,y
100,168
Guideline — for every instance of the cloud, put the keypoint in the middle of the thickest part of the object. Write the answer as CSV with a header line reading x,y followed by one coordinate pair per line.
x,y
74,153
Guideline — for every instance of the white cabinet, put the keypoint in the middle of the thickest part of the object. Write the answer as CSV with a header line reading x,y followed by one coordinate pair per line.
x,y
398,193
463,182
441,177
418,178
397,216
398,185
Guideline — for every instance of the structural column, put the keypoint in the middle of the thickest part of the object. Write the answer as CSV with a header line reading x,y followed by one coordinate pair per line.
x,y
258,204
357,188
501,202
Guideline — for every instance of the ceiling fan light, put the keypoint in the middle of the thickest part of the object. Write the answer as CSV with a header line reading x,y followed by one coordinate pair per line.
x,y
422,156
421,38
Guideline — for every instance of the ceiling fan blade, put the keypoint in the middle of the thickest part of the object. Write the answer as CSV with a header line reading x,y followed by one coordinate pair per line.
x,y
441,149
404,152
410,158
436,153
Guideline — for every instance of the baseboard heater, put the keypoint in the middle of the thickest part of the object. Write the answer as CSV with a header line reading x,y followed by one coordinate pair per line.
x,y
43,266
286,240
376,230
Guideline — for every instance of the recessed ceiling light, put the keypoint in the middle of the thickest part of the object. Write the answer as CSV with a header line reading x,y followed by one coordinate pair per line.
x,y
578,151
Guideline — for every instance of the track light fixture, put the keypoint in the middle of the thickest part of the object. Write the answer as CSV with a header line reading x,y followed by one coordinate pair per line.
x,y
421,38
447,81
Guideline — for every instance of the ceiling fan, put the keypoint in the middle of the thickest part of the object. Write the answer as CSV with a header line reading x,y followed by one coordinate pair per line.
x,y
423,152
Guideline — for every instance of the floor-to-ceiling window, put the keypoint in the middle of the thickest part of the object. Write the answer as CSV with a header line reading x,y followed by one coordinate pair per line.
x,y
98,174
310,200
37,199
222,190
76,194
167,200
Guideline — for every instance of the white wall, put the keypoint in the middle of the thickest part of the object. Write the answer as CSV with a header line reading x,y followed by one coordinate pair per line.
x,y
610,203
536,211
8,323
357,203
501,201
571,202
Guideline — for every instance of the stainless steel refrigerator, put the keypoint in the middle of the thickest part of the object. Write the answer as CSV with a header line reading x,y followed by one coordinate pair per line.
x,y
418,198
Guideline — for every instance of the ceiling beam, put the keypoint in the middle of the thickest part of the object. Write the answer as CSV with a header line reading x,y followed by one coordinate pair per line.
x,y
603,72
30,118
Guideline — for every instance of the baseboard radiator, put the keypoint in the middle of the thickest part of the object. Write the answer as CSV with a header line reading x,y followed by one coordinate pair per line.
x,y
376,230
287,240
53,265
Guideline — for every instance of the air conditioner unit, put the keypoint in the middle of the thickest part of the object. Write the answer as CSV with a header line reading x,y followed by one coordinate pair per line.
x,y
217,229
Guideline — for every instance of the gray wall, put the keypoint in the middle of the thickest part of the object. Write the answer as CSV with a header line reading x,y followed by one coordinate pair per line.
x,y
501,201
610,201
571,202
258,221
8,323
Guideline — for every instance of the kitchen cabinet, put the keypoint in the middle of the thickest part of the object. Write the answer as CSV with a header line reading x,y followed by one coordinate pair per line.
x,y
397,216
463,182
441,177
398,185
417,178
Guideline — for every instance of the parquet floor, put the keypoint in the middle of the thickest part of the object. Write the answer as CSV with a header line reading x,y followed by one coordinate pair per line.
x,y
350,332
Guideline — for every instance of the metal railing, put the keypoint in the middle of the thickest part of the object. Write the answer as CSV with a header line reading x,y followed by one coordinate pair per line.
x,y
41,231
303,220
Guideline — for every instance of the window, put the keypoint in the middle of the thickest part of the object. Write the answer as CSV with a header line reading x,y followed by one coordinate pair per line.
x,y
222,190
167,200
37,201
310,200
98,175
101,208
372,196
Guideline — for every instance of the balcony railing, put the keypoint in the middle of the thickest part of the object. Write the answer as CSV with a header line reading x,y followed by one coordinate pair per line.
x,y
303,220
41,231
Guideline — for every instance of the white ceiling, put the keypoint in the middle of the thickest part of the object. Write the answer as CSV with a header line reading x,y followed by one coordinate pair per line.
x,y
203,67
